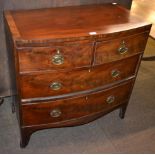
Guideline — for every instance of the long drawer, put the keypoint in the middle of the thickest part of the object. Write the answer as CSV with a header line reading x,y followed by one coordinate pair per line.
x,y
59,83
72,108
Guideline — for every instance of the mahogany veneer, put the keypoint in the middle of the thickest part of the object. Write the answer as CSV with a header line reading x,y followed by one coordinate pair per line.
x,y
33,84
73,64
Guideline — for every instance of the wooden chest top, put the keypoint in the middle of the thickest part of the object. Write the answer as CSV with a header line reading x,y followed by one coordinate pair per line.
x,y
70,22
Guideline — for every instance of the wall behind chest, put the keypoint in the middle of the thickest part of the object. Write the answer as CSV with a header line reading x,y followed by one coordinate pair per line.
x,y
31,4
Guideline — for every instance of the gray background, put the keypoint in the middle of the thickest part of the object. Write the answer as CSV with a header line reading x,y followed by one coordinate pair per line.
x,y
31,4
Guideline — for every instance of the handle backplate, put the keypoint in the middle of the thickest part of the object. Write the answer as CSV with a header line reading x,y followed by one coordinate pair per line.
x,y
58,58
115,73
123,49
110,99
55,113
56,86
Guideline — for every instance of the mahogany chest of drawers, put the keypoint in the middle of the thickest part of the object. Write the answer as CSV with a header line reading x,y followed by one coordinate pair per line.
x,y
72,65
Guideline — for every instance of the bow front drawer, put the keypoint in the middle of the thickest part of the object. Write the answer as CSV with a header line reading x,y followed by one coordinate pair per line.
x,y
71,108
62,56
59,83
112,50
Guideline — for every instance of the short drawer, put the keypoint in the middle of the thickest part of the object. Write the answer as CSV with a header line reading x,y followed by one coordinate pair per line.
x,y
72,108
120,48
59,83
64,56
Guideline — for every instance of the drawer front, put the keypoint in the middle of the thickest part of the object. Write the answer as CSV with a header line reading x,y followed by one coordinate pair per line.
x,y
65,56
119,48
59,83
65,110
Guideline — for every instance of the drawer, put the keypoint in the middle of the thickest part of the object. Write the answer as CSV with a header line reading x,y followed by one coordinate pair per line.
x,y
72,108
63,56
59,83
120,48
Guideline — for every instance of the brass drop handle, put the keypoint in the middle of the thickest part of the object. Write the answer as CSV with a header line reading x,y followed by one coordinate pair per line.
x,y
55,113
110,99
115,73
58,58
55,85
123,49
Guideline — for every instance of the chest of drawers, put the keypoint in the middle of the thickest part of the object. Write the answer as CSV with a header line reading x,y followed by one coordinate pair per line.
x,y
72,65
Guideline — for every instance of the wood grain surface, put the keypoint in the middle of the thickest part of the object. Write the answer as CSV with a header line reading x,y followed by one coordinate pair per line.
x,y
44,25
71,108
24,4
109,50
75,55
32,85
106,81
